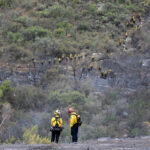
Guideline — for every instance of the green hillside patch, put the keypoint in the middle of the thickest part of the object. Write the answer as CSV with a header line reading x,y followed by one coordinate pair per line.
x,y
35,31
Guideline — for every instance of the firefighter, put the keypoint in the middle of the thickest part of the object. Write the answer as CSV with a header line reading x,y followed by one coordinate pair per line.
x,y
92,58
74,123
56,126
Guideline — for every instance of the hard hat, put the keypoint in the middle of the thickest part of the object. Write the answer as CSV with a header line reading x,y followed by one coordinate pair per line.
x,y
57,112
70,110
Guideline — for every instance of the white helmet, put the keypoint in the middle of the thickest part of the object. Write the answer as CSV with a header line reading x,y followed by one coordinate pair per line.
x,y
57,112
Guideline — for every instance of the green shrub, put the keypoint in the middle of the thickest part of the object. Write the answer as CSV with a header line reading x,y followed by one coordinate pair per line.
x,y
133,7
84,26
46,2
35,31
135,132
40,7
105,19
92,9
5,3
25,21
44,13
12,27
110,6
17,52
65,25
109,119
89,132
121,1
73,98
28,97
59,32
5,88
111,130
58,11
1,41
11,140
111,16
138,112
65,2
27,5
47,46
30,136
14,37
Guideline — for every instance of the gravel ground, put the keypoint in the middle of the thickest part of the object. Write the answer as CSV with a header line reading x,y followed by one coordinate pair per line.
x,y
142,143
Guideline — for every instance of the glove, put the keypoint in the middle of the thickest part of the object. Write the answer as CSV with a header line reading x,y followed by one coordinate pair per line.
x,y
51,128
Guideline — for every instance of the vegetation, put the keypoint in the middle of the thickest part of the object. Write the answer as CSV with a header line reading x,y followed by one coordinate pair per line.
x,y
99,113
43,19
37,31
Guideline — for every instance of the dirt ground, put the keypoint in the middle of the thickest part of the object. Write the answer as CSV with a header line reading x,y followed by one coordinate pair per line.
x,y
142,143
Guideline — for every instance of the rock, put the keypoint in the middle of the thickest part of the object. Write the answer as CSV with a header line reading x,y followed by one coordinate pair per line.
x,y
125,113
128,39
146,62
103,139
100,7
98,56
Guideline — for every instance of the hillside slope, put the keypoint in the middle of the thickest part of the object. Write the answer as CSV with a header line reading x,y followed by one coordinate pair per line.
x,y
90,55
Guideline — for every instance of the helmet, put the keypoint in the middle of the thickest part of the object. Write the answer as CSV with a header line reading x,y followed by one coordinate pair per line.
x,y
70,110
57,112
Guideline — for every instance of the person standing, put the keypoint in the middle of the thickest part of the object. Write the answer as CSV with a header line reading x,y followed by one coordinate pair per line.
x,y
56,126
74,123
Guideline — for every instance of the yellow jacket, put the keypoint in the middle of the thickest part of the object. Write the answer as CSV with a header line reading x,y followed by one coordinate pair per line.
x,y
73,119
59,121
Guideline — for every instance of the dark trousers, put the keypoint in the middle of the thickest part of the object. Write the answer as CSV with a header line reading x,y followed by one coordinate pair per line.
x,y
55,135
74,133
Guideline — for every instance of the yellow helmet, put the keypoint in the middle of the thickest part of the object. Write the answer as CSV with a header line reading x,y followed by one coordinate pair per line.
x,y
57,112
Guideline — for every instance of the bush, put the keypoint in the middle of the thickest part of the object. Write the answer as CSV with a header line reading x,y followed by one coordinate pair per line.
x,y
27,5
5,3
35,31
84,26
50,76
64,24
25,21
92,9
30,136
1,41
109,119
12,27
89,132
58,11
138,112
14,37
59,32
26,98
46,2
18,53
135,132
11,140
47,46
5,88
105,19
71,98
133,7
